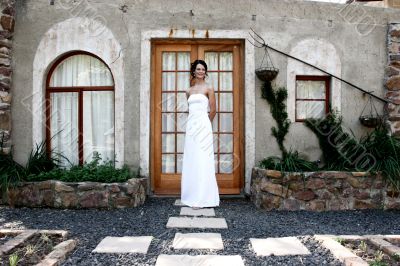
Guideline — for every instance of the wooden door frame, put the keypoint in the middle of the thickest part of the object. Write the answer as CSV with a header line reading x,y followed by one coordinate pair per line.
x,y
241,111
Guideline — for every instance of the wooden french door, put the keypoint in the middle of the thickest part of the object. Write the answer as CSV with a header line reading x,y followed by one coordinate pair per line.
x,y
170,79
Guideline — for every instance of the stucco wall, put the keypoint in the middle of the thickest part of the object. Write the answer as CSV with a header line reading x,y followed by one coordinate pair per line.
x,y
283,24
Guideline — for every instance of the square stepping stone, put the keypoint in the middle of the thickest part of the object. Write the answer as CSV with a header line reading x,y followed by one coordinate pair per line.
x,y
282,246
125,244
209,260
198,241
200,212
179,203
196,222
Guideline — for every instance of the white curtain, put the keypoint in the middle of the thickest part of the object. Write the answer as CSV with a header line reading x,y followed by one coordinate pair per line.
x,y
81,70
222,81
310,89
98,109
98,124
64,126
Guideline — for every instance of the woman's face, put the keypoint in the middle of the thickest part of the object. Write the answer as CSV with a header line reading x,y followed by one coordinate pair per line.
x,y
200,71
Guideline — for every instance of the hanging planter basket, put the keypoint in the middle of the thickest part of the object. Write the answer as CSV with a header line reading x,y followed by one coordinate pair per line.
x,y
267,73
373,119
370,121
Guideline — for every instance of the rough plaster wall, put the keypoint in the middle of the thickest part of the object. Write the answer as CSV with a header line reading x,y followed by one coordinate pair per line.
x,y
281,23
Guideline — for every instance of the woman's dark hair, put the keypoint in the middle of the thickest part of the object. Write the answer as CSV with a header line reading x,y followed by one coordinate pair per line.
x,y
194,65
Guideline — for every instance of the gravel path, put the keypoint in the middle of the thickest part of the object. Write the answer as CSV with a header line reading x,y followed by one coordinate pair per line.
x,y
89,227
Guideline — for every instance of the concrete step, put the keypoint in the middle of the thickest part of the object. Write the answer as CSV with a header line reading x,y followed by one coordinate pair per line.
x,y
198,241
125,244
282,246
209,260
196,222
187,211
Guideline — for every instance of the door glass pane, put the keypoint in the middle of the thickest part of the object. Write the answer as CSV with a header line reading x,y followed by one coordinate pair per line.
x,y
226,163
168,81
310,89
215,142
225,81
226,122
213,80
225,143
168,61
211,59
98,125
180,142
183,81
183,60
168,102
215,123
168,163
216,163
168,122
216,101
226,102
225,61
182,102
310,109
179,159
64,126
182,120
168,142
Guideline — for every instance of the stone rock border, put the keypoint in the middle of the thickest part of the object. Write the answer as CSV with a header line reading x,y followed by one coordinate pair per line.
x,y
321,191
349,258
77,195
55,257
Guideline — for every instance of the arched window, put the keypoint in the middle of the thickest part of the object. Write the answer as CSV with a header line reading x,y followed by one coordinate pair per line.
x,y
80,108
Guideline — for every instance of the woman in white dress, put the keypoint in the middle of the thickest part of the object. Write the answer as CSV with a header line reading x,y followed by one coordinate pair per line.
x,y
198,183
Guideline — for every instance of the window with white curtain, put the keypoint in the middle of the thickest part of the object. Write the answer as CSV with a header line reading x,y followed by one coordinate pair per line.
x,y
80,109
312,97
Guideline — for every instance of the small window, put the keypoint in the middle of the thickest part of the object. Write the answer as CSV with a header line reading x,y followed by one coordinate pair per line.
x,y
312,97
80,109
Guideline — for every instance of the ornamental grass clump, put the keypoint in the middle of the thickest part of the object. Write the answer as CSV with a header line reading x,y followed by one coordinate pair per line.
x,y
94,171
377,151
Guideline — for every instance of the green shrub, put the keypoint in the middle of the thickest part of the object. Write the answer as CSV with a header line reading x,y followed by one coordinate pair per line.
x,y
11,172
377,151
291,162
94,171
42,161
277,101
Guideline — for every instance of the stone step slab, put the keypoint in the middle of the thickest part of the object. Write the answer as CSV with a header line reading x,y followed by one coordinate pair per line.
x,y
209,260
179,203
196,222
125,244
282,246
198,241
187,211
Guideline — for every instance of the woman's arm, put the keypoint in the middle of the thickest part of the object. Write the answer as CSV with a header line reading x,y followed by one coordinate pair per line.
x,y
213,107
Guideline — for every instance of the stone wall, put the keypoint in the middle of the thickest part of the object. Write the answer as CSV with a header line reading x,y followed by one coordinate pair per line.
x,y
6,33
74,195
392,76
321,191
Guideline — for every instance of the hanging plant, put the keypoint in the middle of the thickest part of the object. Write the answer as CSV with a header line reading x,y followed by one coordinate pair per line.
x,y
373,119
269,72
278,110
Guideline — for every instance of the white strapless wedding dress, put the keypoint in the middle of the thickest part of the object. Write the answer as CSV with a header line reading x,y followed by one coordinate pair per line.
x,y
198,183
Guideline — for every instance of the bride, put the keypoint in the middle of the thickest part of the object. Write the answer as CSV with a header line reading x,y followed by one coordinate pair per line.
x,y
198,183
